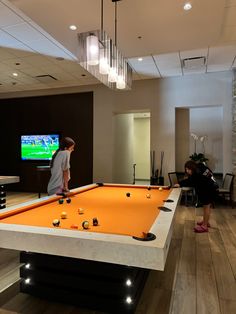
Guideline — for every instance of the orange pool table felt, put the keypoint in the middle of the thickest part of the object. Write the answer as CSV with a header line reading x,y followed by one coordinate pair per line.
x,y
115,211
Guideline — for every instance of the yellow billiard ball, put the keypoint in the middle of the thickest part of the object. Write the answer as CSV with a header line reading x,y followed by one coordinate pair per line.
x,y
63,215
80,211
148,195
160,189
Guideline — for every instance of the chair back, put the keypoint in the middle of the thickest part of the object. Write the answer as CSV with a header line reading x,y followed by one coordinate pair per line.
x,y
173,178
228,181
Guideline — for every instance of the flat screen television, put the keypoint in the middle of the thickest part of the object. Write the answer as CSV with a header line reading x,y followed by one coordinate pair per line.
x,y
39,147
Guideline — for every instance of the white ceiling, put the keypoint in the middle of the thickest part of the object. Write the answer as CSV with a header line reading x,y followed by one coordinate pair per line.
x,y
36,43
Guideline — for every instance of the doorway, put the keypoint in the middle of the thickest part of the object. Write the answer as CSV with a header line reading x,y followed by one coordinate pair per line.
x,y
131,148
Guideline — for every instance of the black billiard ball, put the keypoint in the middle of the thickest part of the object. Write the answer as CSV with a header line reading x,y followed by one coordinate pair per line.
x,y
56,222
61,201
95,222
128,194
85,224
149,188
68,200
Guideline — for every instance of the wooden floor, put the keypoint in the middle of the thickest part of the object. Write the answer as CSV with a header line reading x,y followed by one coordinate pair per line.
x,y
199,277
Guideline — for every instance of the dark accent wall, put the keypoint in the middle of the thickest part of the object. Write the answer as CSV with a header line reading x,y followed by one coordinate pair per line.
x,y
69,114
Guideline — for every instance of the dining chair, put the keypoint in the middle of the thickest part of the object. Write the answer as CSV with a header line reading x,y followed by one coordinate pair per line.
x,y
226,190
173,178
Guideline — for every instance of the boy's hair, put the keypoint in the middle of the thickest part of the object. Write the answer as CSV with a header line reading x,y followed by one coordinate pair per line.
x,y
192,165
65,142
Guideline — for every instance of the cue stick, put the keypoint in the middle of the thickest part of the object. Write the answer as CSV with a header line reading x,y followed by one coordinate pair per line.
x,y
134,165
162,157
153,167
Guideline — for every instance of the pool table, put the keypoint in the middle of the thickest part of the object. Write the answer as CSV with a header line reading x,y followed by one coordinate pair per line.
x,y
92,267
120,218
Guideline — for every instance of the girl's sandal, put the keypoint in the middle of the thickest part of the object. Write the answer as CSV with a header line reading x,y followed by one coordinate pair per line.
x,y
200,229
199,223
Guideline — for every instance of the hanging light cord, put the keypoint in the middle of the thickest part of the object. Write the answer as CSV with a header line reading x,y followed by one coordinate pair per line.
x,y
116,23
102,16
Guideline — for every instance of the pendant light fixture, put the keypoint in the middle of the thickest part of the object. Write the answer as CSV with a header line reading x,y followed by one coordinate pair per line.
x,y
100,57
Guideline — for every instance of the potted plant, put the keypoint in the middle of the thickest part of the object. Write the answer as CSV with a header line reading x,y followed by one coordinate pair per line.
x,y
198,157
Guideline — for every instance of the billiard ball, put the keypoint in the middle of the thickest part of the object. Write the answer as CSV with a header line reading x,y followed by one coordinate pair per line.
x,y
128,194
149,188
160,188
80,211
63,215
68,200
56,222
148,195
95,222
74,226
85,224
61,201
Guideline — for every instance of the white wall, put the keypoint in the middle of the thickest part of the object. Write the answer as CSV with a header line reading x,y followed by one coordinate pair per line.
x,y
181,138
123,148
161,97
209,122
142,148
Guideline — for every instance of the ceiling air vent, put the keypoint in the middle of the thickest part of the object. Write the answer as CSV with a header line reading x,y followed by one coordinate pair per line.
x,y
194,62
46,78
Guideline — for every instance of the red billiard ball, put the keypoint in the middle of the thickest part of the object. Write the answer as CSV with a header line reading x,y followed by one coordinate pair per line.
x,y
74,226
68,200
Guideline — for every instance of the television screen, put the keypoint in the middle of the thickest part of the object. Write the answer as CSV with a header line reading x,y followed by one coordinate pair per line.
x,y
39,147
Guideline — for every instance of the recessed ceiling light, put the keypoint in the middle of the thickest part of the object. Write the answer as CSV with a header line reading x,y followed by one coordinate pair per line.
x,y
60,58
187,6
140,59
73,27
15,74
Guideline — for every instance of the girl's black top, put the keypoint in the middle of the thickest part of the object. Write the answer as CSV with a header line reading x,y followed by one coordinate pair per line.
x,y
205,187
